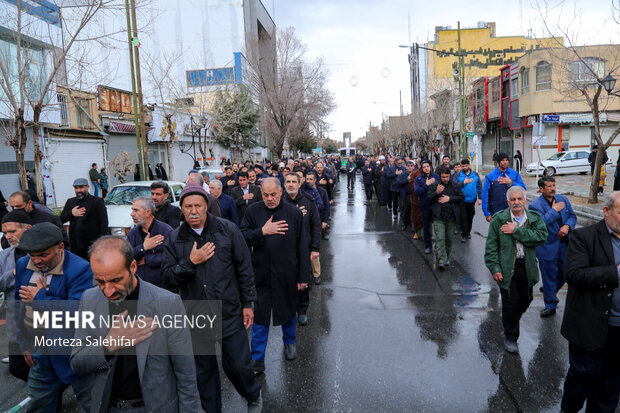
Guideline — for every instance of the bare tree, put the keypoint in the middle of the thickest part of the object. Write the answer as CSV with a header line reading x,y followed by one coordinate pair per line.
x,y
34,60
580,71
291,88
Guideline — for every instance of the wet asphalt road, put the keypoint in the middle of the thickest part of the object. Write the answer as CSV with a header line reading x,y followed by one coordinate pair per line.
x,y
388,332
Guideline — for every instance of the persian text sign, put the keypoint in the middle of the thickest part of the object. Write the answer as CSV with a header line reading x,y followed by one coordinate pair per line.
x,y
210,77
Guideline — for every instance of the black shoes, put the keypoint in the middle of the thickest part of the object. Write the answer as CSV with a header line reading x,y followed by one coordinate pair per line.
x,y
547,312
464,239
258,366
303,319
441,267
428,251
256,406
317,280
290,352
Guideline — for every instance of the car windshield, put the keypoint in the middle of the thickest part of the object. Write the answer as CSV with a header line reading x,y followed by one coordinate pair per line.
x,y
557,156
125,195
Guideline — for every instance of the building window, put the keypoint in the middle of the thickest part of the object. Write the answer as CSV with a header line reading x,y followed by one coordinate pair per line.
x,y
495,92
525,81
585,72
64,109
514,87
543,76
83,120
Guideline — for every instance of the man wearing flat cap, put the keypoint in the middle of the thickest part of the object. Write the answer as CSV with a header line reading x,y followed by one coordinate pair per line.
x,y
87,216
47,275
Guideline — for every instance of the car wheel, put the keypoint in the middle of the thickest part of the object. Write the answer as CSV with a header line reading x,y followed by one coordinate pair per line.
x,y
550,171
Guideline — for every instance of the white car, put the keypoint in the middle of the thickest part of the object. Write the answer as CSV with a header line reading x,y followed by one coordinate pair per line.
x,y
567,162
119,200
211,171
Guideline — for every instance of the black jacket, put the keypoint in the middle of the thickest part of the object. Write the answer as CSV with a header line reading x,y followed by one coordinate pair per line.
x,y
169,214
368,174
448,212
592,276
84,230
237,195
38,215
280,261
227,276
312,220
228,188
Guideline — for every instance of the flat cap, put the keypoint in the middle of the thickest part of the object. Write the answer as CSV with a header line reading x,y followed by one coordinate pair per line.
x,y
80,182
17,215
40,237
193,189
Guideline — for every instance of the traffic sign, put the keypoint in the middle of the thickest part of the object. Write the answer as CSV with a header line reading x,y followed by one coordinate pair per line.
x,y
470,134
539,140
472,156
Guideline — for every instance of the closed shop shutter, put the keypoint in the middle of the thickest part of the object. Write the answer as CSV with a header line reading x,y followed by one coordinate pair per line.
x,y
488,148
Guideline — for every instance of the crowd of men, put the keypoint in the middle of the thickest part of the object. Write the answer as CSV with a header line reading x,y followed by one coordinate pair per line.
x,y
250,239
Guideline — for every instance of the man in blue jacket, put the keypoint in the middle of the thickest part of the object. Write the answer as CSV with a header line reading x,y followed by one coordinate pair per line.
x,y
558,214
228,206
47,275
392,172
496,185
421,185
368,175
472,189
404,190
322,200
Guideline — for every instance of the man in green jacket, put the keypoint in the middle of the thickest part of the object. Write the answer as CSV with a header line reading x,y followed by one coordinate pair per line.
x,y
510,255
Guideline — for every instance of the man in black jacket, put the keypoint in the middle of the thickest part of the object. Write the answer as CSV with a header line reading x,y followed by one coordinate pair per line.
x,y
368,178
312,221
592,158
21,200
245,194
206,258
445,198
281,260
592,317
87,216
164,210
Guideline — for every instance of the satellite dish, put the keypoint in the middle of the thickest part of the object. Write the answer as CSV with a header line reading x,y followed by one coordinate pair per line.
x,y
354,81
47,165
455,72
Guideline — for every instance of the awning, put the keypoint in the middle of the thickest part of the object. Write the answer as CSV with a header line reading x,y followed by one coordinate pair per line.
x,y
120,127
581,118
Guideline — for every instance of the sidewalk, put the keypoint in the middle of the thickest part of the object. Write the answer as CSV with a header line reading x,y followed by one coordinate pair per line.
x,y
576,188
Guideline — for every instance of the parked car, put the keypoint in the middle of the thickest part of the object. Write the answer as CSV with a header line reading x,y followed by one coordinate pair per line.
x,y
119,200
212,170
566,162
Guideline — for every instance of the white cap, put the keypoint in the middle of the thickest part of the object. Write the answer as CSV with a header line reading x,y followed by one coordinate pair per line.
x,y
382,158
281,165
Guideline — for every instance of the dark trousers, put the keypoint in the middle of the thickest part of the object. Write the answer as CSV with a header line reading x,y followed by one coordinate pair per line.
x,y
594,377
394,202
303,300
468,210
405,210
427,221
515,301
17,364
350,180
236,362
368,189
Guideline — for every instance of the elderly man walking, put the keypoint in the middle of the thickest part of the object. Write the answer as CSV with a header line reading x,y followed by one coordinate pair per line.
x,y
281,259
510,255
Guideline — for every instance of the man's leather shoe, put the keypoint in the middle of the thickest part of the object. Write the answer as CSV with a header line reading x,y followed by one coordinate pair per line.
x,y
303,319
464,239
258,366
256,406
441,267
290,352
317,280
428,251
547,312
511,346
540,289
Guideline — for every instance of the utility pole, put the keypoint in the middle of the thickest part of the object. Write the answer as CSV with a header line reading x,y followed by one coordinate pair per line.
x,y
461,64
136,89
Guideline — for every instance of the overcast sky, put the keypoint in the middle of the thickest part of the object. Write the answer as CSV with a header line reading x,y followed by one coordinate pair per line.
x,y
359,41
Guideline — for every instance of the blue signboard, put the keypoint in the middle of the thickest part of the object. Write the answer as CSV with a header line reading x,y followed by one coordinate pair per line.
x,y
210,77
551,118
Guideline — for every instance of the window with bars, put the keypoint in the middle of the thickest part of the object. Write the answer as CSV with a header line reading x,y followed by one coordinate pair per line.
x,y
543,76
83,120
64,109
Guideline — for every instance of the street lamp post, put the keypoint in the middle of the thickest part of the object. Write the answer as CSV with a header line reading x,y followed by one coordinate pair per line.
x,y
608,84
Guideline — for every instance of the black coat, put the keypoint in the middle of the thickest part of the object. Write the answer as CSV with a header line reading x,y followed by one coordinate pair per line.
x,y
280,261
592,276
84,230
227,276
312,219
169,214
227,188
237,194
38,215
441,211
368,174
